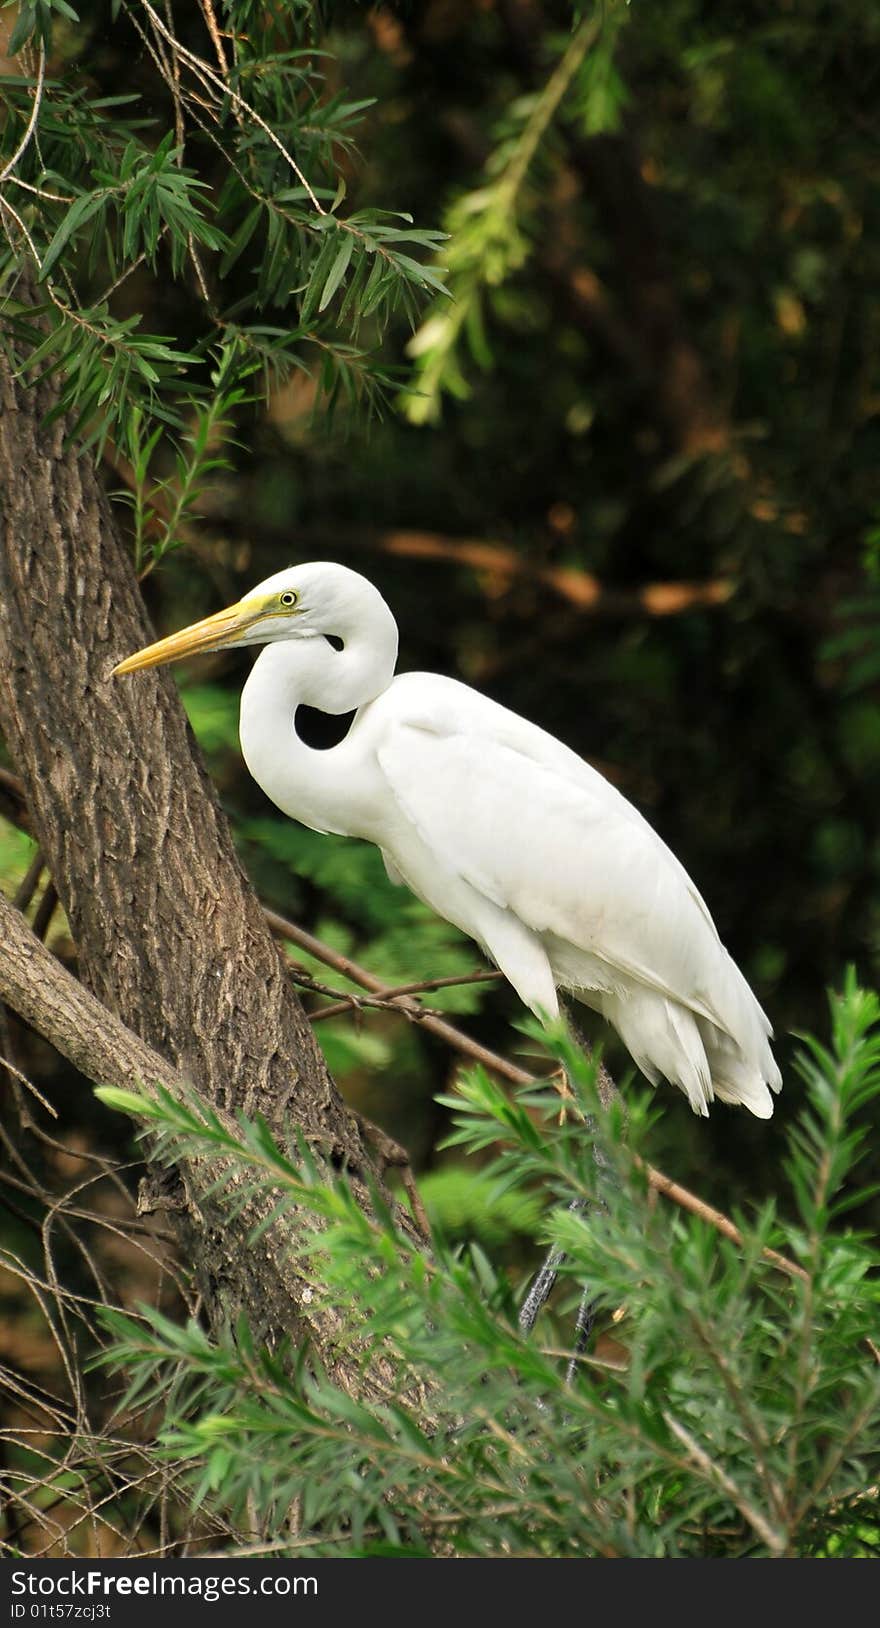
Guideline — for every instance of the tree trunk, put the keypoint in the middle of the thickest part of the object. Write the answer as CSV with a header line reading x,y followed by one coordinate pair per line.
x,y
170,935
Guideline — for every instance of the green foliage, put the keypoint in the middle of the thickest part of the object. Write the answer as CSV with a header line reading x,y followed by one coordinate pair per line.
x,y
347,1048
239,201
856,647
162,507
35,18
745,1424
102,361
469,1205
213,714
489,228
16,853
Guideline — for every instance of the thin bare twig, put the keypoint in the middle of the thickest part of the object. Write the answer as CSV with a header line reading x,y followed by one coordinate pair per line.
x,y
32,121
7,209
719,1478
128,271
176,95
686,1200
213,30
41,192
204,71
350,1002
412,1008
16,1074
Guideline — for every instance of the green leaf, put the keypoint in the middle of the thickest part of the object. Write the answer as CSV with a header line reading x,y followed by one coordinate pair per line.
x,y
241,239
126,1102
25,23
337,271
81,211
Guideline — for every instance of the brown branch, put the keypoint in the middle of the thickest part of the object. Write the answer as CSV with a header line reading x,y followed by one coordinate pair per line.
x,y
45,910
583,590
57,1006
497,561
213,30
348,1003
456,1038
716,1218
29,883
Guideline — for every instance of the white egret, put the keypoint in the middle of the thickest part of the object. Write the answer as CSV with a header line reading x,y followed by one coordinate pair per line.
x,y
492,822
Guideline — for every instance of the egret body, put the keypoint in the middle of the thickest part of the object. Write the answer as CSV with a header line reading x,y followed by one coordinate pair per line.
x,y
496,825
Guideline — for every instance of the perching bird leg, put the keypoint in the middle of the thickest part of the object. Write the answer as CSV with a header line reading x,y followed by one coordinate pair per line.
x,y
545,1280
586,1317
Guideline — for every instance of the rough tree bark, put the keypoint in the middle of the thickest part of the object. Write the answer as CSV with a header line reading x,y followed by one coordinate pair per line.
x,y
169,933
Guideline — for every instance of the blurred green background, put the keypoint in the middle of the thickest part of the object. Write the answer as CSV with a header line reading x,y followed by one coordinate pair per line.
x,y
639,505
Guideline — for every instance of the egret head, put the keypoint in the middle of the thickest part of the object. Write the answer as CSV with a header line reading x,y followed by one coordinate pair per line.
x,y
302,602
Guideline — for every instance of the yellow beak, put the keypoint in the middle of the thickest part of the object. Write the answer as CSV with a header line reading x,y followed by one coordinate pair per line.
x,y
223,628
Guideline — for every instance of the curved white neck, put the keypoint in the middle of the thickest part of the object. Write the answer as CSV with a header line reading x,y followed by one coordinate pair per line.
x,y
316,787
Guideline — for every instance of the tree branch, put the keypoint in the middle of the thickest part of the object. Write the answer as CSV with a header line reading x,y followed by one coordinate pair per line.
x,y
217,1208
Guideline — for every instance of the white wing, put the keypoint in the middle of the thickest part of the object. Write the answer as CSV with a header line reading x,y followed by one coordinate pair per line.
x,y
529,826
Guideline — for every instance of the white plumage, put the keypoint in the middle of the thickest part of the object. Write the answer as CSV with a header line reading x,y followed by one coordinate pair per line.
x,y
494,824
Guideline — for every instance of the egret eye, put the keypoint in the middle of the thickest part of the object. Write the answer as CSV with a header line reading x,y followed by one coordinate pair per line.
x,y
289,598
